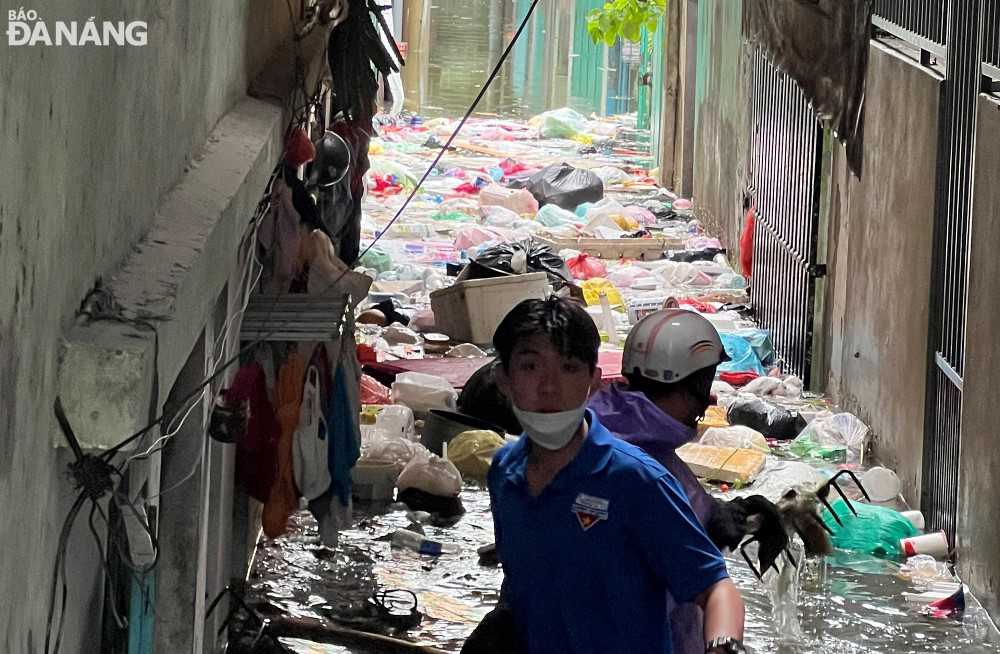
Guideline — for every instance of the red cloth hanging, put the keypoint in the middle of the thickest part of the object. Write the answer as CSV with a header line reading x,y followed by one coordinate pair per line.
x,y
257,450
746,242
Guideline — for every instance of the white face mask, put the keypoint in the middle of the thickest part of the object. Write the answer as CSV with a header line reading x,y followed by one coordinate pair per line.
x,y
551,431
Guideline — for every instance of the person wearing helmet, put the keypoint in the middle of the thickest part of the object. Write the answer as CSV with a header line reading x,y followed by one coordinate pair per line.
x,y
594,535
669,364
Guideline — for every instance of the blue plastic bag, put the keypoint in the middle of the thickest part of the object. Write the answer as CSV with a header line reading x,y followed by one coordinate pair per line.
x,y
760,341
741,355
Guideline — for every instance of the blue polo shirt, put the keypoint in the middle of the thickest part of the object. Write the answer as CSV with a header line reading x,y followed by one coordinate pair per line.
x,y
589,562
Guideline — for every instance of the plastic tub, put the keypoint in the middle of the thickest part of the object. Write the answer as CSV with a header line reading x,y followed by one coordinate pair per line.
x,y
471,310
374,481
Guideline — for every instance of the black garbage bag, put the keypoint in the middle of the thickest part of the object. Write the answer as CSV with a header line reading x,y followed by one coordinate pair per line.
x,y
766,417
564,186
482,398
526,256
690,256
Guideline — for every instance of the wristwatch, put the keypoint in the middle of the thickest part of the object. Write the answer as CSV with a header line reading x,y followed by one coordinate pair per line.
x,y
725,645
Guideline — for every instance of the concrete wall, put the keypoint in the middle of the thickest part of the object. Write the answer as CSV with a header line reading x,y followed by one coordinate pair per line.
x,y
978,529
880,262
93,137
721,120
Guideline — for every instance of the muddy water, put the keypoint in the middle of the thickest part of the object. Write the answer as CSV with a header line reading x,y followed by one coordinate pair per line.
x,y
850,604
453,45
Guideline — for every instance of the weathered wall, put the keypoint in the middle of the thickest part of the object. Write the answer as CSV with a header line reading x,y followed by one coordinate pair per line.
x,y
979,531
721,121
880,262
92,138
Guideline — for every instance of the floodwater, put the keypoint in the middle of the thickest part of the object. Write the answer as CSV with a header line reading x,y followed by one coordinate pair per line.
x,y
849,603
453,45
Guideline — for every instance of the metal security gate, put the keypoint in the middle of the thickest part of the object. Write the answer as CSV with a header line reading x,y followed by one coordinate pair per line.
x,y
785,164
949,286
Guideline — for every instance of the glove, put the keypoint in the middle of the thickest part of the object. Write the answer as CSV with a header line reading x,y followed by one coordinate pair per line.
x,y
764,522
727,524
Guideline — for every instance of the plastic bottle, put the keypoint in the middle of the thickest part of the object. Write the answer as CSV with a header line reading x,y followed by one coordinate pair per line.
x,y
412,541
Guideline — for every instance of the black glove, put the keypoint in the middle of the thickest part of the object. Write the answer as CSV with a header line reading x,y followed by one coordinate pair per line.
x,y
727,524
764,522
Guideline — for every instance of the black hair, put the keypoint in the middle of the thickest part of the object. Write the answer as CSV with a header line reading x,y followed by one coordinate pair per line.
x,y
570,329
657,390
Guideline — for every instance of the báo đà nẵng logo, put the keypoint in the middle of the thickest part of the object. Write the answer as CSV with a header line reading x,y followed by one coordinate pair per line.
x,y
27,28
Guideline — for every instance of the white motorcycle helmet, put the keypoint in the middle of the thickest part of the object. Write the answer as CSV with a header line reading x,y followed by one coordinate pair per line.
x,y
670,345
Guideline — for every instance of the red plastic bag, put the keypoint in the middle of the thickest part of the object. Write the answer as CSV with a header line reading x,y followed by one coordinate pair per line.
x,y
299,150
746,243
586,267
373,392
738,378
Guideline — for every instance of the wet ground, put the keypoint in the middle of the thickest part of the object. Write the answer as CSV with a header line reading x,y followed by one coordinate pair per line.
x,y
848,603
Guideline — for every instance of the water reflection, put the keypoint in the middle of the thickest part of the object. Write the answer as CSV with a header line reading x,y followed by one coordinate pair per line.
x,y
454,44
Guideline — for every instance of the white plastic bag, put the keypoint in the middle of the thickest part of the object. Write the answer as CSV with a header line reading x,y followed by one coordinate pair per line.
x,y
377,445
310,445
423,392
736,436
839,429
431,474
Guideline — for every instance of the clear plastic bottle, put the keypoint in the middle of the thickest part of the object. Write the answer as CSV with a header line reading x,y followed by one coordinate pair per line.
x,y
406,539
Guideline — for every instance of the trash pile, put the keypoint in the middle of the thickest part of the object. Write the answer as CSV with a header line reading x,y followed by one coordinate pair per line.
x,y
565,204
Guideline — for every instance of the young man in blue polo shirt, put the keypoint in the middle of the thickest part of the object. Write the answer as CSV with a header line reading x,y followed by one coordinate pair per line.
x,y
591,531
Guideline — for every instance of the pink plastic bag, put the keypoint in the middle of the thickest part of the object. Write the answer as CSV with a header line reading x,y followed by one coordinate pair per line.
x,y
584,266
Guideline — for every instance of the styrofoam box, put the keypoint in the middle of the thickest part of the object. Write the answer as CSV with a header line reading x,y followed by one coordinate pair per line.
x,y
471,310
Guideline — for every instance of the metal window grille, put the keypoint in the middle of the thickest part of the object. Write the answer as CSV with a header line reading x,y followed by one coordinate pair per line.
x,y
991,39
786,147
949,287
923,23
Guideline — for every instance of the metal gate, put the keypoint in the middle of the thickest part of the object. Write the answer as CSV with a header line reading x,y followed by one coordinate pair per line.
x,y
785,164
949,286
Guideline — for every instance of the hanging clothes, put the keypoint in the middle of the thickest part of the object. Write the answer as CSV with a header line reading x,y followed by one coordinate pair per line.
x,y
257,450
326,268
283,501
344,450
280,235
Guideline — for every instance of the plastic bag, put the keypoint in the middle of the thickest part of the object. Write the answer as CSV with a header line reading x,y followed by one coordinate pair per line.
x,y
610,174
778,477
311,442
592,289
372,392
682,274
584,266
376,445
625,276
763,386
840,437
474,235
565,186
769,419
376,259
552,215
613,210
423,392
644,217
431,474
738,436
496,216
472,452
876,530
524,257
562,124
741,356
760,341
517,200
